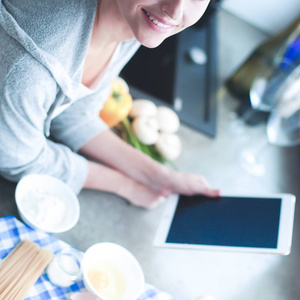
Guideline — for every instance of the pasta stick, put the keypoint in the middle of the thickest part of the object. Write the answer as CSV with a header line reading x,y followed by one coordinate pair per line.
x,y
16,260
10,255
21,247
39,263
17,272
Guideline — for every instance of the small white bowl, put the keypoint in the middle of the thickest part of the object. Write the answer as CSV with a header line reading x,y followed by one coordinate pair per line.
x,y
46,203
122,261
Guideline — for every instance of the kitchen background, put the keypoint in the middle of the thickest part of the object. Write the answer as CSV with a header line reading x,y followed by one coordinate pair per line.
x,y
213,149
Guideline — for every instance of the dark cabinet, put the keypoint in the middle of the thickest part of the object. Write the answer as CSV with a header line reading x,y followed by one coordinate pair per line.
x,y
181,73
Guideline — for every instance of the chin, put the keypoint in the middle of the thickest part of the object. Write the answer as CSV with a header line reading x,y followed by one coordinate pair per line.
x,y
152,42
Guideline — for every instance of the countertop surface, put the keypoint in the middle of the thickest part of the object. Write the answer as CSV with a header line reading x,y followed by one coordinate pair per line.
x,y
188,274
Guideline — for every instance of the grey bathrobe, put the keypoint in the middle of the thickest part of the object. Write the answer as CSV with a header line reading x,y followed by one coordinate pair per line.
x,y
43,44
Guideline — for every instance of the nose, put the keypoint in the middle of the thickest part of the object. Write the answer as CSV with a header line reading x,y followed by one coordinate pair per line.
x,y
173,8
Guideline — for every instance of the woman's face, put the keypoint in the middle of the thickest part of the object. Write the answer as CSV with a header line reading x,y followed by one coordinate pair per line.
x,y
152,21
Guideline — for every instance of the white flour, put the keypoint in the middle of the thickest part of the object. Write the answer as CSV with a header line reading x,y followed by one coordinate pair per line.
x,y
43,209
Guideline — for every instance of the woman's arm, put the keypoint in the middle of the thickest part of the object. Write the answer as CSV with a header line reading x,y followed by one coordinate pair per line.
x,y
133,169
107,179
25,98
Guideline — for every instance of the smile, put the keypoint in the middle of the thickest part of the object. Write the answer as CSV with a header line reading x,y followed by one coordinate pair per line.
x,y
156,22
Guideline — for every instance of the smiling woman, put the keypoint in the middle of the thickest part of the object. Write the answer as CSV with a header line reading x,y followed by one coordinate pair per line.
x,y
56,67
153,21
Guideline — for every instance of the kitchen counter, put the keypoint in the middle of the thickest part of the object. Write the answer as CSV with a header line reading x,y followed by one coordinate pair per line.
x,y
188,274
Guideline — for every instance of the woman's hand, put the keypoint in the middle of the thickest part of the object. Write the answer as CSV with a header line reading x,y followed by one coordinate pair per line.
x,y
189,184
168,181
141,195
106,179
134,175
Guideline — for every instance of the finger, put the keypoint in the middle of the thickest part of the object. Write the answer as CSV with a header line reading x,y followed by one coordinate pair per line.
x,y
213,193
208,190
156,203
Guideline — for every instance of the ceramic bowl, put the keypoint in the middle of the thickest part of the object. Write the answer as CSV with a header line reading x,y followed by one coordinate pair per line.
x,y
112,272
46,203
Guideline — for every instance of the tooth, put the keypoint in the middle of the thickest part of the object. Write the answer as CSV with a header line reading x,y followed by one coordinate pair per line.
x,y
162,25
159,24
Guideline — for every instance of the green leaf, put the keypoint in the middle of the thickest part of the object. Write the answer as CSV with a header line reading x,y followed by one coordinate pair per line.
x,y
118,97
148,150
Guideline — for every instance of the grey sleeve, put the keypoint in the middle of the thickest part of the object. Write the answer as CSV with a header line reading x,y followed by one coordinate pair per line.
x,y
80,122
25,98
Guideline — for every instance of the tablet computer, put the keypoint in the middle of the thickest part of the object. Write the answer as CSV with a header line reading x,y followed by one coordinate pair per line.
x,y
229,223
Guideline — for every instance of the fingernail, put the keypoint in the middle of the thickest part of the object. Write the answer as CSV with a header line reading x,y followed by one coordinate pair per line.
x,y
162,199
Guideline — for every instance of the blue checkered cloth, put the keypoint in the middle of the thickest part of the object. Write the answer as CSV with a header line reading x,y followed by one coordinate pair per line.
x,y
12,231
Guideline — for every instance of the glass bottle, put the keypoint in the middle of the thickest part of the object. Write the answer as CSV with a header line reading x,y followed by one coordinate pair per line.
x,y
263,61
65,268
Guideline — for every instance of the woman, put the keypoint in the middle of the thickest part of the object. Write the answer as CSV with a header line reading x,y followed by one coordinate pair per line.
x,y
57,61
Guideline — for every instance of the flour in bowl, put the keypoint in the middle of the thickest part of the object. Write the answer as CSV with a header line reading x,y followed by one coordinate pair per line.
x,y
43,209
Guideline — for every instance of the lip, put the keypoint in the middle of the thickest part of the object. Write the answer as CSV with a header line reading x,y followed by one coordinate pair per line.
x,y
154,26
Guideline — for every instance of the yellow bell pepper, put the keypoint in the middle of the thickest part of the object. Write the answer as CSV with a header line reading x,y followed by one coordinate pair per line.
x,y
118,105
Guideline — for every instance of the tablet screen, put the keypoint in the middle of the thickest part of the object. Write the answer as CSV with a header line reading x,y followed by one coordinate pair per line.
x,y
226,221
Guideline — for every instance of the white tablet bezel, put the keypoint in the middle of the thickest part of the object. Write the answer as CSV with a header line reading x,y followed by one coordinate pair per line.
x,y
285,231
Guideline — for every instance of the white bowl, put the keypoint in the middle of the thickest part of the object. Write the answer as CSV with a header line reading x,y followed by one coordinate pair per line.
x,y
118,266
46,203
